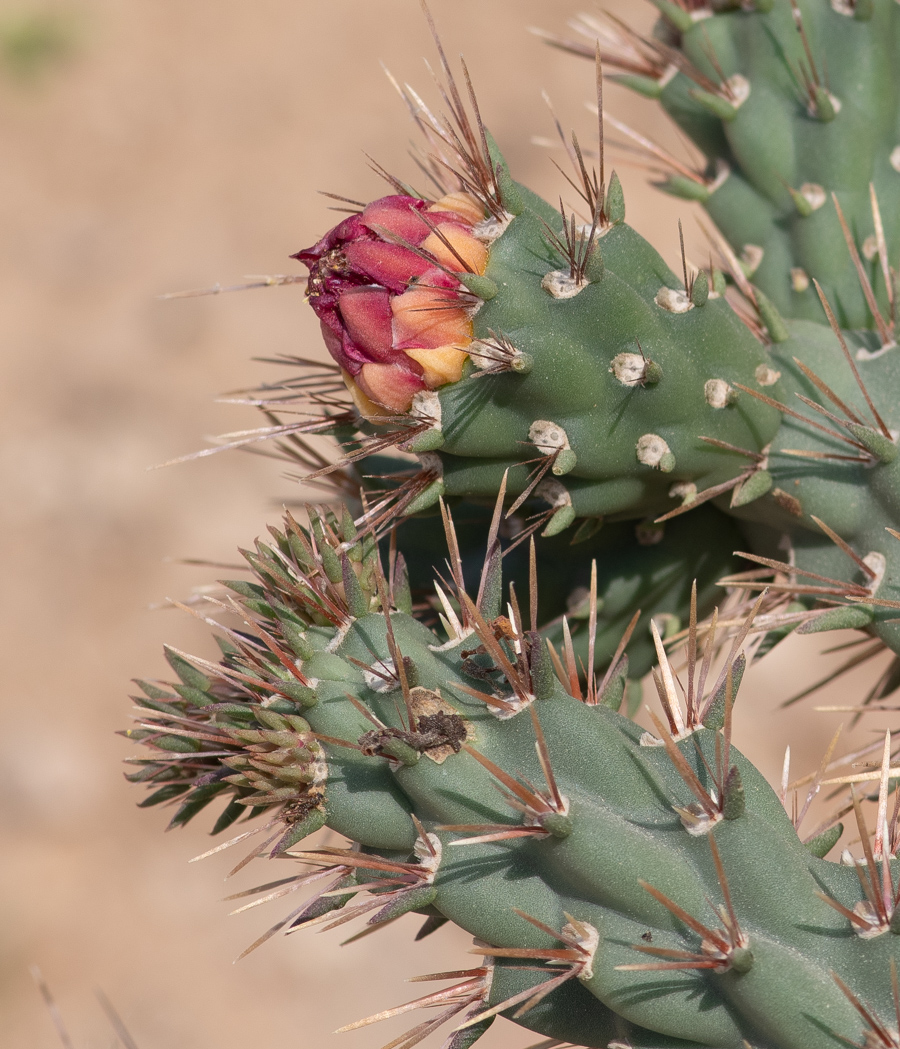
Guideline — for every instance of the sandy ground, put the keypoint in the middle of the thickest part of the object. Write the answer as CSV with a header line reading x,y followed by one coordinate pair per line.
x,y
181,145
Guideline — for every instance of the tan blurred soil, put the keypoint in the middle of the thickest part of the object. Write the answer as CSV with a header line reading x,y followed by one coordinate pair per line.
x,y
183,144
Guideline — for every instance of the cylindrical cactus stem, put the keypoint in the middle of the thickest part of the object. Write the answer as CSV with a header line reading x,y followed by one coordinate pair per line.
x,y
789,103
657,872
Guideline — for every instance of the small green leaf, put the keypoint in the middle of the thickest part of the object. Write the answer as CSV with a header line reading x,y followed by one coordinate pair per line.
x,y
715,719
194,696
166,793
196,802
643,85
152,692
186,671
614,203
734,802
847,617
483,287
823,843
178,744
232,812
881,447
427,498
717,105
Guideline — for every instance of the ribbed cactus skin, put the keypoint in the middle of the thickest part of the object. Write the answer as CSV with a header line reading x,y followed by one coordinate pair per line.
x,y
572,383
859,501
606,817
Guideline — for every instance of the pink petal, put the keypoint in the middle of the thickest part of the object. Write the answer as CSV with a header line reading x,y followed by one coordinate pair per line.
x,y
402,217
334,343
386,264
350,229
398,216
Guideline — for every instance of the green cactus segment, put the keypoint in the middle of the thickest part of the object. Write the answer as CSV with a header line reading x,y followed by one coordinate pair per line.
x,y
848,484
627,374
596,379
654,906
786,118
571,1013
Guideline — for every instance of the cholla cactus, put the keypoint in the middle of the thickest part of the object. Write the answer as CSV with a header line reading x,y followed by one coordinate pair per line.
x,y
527,370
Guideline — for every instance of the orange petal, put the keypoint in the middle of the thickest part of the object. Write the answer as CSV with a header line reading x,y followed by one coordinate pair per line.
x,y
453,246
429,318
367,408
389,385
440,366
464,204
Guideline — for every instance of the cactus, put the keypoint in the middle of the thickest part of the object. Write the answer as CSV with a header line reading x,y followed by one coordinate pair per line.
x,y
656,880
609,437
670,401
638,567
602,407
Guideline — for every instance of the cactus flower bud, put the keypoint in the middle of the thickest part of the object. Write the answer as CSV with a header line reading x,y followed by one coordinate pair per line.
x,y
383,286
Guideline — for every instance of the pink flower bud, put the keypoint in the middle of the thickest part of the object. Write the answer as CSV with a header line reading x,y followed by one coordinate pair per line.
x,y
382,283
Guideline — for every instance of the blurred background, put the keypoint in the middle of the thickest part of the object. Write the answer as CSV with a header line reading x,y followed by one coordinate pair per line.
x,y
149,147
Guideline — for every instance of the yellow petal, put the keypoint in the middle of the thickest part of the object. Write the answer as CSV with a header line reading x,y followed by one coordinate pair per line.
x,y
440,366
464,204
456,249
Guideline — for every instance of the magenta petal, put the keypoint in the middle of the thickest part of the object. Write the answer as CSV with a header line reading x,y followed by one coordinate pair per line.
x,y
354,355
350,229
334,343
368,319
435,278
385,264
325,302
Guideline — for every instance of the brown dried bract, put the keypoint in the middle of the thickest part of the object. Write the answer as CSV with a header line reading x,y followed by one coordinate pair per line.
x,y
439,730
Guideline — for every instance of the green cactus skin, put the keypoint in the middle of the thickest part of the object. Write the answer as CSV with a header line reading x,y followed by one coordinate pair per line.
x,y
609,839
857,500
